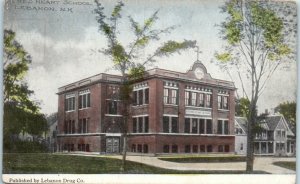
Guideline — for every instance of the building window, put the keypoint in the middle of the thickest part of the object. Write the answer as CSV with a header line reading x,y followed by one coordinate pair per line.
x,y
208,126
166,149
139,148
208,100
194,126
146,124
278,133
187,125
174,124
187,149
226,149
202,148
174,148
193,102
70,103
170,96
83,125
170,124
220,148
112,107
220,102
187,98
84,147
202,126
134,125
140,124
195,148
145,149
201,100
209,148
141,97
283,133
134,98
69,127
146,95
223,102
84,100
133,148
166,96
242,146
223,127
174,97
238,131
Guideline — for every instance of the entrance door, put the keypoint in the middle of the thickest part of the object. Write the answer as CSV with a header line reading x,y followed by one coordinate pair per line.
x,y
112,145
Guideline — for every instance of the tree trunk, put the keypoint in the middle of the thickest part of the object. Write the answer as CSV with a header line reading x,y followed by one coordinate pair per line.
x,y
250,137
125,110
124,152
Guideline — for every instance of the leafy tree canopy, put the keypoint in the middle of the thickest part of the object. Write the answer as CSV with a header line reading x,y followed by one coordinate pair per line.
x,y
20,113
288,110
125,57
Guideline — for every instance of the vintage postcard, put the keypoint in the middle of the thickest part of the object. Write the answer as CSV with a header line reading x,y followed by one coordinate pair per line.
x,y
101,91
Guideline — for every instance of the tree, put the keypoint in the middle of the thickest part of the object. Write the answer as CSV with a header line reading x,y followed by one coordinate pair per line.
x,y
20,113
242,107
258,36
288,110
126,57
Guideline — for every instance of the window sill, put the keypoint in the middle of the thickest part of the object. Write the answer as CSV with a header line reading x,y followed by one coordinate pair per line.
x,y
224,110
198,107
175,105
84,108
143,105
70,111
116,115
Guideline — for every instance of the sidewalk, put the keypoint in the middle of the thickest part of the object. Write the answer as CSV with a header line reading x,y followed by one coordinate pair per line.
x,y
260,163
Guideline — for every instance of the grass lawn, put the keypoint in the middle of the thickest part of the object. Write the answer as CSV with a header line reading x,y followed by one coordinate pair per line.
x,y
38,163
204,158
287,165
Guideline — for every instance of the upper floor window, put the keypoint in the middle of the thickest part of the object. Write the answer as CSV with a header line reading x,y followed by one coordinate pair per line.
x,y
283,133
70,102
223,102
170,124
197,99
140,124
170,92
223,127
84,99
201,100
69,127
238,131
198,126
141,96
112,107
193,100
208,100
83,125
170,96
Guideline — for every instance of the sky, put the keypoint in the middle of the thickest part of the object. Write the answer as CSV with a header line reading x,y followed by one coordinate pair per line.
x,y
63,39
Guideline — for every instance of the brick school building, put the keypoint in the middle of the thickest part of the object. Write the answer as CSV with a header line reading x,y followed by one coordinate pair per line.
x,y
171,113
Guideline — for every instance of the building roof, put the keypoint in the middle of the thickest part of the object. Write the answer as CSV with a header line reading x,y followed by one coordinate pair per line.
x,y
189,76
272,121
269,123
242,123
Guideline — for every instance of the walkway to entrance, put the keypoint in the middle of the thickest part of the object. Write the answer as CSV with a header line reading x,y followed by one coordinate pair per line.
x,y
260,163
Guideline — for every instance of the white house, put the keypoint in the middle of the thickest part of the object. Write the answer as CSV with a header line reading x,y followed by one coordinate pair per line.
x,y
276,138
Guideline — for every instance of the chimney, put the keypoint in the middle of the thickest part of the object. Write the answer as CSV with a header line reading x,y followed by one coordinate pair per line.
x,y
266,111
